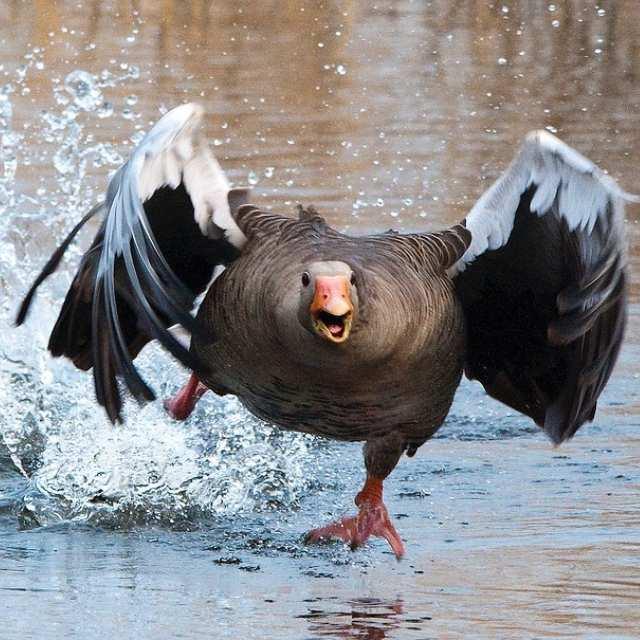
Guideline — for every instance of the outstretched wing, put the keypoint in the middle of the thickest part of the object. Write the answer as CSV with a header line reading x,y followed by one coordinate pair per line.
x,y
168,224
543,285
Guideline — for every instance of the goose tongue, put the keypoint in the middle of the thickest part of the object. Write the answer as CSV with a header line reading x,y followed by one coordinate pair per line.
x,y
335,329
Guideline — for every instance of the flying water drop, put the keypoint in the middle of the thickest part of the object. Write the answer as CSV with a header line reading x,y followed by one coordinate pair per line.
x,y
84,90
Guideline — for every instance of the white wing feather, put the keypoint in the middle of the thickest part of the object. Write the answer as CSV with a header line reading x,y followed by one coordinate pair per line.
x,y
558,171
175,151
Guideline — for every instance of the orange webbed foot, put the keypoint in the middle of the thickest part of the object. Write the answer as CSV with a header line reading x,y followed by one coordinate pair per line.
x,y
372,520
184,402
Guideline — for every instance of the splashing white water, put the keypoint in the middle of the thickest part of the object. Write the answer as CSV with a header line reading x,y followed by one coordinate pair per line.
x,y
9,140
80,467
84,90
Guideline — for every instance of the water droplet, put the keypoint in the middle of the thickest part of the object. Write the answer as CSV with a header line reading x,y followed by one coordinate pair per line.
x,y
555,23
6,111
341,70
601,12
268,172
252,178
105,110
105,154
136,138
64,159
552,8
502,61
5,196
131,100
83,89
21,73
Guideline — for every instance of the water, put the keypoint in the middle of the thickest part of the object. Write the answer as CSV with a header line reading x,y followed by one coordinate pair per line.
x,y
388,114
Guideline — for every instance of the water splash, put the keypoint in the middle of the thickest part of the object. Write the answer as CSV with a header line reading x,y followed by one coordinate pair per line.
x,y
9,141
78,467
153,470
79,98
84,90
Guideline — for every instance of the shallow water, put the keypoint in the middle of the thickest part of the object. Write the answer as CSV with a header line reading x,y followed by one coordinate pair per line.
x,y
382,115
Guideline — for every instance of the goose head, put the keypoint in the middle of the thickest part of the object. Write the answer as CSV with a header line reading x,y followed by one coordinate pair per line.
x,y
328,300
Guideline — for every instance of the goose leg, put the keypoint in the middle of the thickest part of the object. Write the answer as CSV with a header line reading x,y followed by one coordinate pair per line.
x,y
184,402
381,456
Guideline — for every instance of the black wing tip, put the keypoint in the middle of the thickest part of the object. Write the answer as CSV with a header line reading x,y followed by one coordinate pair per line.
x,y
558,431
561,429
52,264
23,311
25,305
115,418
556,437
49,268
114,413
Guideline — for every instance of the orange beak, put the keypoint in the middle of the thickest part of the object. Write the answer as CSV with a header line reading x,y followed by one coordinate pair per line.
x,y
331,308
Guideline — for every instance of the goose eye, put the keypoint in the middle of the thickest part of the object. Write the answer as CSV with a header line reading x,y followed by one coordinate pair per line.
x,y
306,279
353,279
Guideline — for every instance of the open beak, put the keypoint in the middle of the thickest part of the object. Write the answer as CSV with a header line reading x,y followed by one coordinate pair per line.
x,y
332,309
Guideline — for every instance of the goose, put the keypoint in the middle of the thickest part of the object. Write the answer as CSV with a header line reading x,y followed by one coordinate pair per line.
x,y
354,338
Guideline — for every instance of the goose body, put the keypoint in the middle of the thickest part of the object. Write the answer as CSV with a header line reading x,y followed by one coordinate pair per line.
x,y
397,372
352,338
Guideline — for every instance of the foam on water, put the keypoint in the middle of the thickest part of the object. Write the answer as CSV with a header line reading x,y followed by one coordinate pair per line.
x,y
152,469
